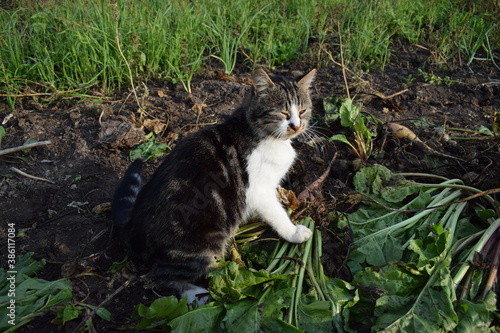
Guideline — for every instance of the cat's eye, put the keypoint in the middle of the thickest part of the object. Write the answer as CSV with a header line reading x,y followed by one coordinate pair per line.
x,y
302,112
286,115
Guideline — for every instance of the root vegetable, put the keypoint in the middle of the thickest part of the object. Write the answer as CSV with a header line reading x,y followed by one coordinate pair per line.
x,y
403,132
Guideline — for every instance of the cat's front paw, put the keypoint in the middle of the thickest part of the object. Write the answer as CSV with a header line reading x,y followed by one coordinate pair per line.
x,y
302,233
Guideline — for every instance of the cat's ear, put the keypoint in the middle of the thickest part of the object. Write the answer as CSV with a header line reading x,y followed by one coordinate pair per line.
x,y
306,81
261,81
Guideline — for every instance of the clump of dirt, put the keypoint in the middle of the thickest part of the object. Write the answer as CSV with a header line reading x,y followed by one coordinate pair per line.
x,y
67,220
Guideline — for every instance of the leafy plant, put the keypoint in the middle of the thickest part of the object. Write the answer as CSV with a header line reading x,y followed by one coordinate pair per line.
x,y
331,107
32,296
74,311
227,30
350,117
436,80
291,295
149,149
411,272
409,79
420,267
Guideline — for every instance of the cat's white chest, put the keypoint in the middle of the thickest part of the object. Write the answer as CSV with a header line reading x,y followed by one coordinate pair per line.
x,y
269,163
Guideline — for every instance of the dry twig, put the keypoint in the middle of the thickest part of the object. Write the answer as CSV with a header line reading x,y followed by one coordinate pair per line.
x,y
384,96
342,60
23,147
22,173
116,13
94,311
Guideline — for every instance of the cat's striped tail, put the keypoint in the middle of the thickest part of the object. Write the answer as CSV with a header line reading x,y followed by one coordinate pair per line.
x,y
125,196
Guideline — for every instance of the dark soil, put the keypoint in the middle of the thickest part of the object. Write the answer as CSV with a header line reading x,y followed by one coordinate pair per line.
x,y
68,222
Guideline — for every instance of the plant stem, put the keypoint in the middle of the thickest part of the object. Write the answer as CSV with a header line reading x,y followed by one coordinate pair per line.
x,y
292,318
492,276
277,254
403,225
417,174
477,248
310,273
131,77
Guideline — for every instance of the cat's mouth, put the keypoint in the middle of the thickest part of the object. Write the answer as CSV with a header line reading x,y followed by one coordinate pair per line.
x,y
293,131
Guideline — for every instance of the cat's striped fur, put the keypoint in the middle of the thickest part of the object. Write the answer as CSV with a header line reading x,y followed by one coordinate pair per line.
x,y
211,182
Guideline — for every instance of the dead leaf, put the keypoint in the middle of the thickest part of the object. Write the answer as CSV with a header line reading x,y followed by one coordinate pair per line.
x,y
154,125
198,108
288,199
102,208
116,134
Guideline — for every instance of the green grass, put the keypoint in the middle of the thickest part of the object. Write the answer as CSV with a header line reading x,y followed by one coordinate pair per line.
x,y
67,45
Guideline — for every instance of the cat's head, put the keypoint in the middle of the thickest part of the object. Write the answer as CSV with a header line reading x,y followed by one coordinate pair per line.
x,y
281,106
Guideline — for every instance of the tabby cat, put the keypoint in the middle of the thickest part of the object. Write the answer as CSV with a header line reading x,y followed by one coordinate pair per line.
x,y
182,219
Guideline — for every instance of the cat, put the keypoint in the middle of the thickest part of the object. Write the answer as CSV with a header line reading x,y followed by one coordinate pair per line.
x,y
183,218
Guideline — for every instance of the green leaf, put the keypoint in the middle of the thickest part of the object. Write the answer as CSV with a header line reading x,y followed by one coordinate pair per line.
x,y
149,149
477,281
27,142
340,137
360,127
398,192
371,179
393,279
476,317
340,290
233,282
378,251
344,297
315,316
33,297
2,134
331,106
348,112
485,213
265,315
432,310
70,312
244,316
103,313
162,310
25,267
273,325
430,254
117,265
202,319
485,130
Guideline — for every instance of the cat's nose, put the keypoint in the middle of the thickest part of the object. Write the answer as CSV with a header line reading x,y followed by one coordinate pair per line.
x,y
296,128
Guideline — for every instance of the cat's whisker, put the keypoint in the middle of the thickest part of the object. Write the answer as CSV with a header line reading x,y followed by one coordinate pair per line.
x,y
316,132
277,133
315,140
